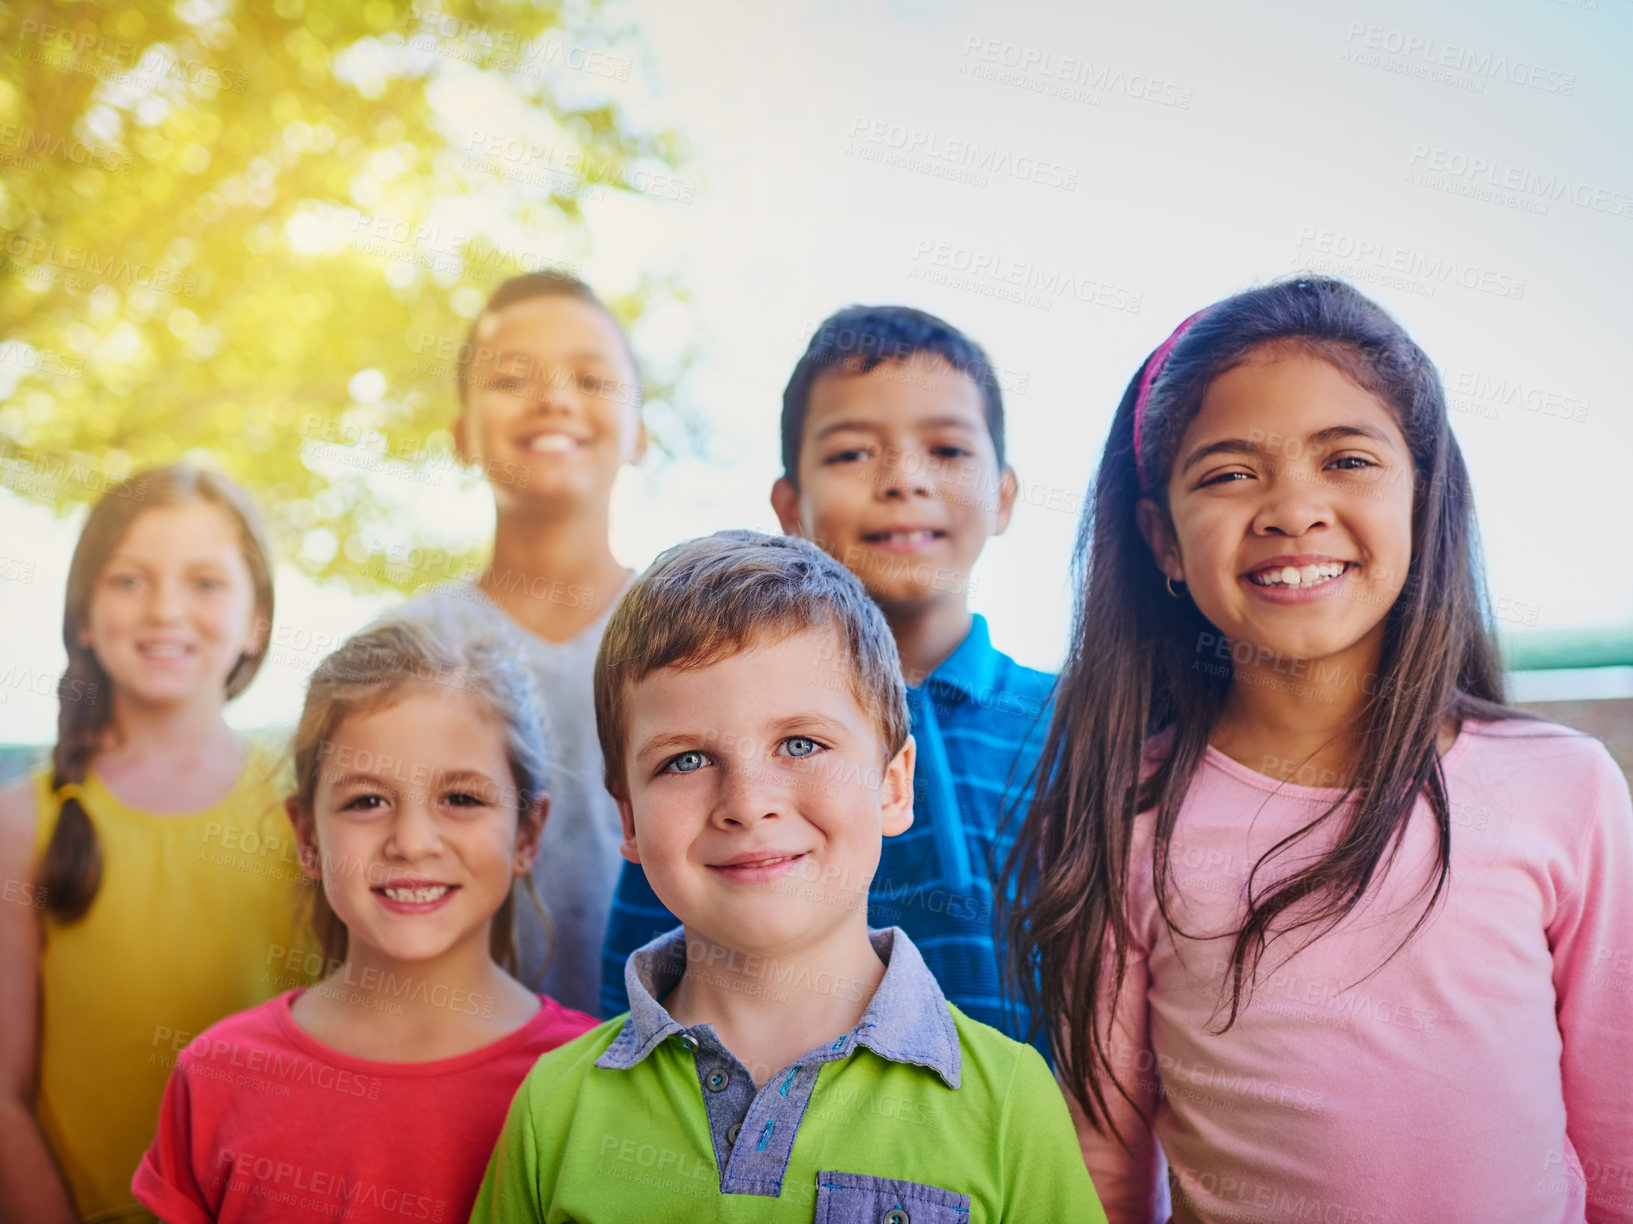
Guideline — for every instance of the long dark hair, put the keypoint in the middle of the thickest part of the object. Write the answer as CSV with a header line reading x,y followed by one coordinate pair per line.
x,y
1130,676
71,871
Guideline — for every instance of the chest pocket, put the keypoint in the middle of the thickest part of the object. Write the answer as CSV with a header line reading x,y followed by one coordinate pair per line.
x,y
851,1198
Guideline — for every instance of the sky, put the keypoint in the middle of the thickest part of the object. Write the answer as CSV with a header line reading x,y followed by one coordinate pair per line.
x,y
1065,182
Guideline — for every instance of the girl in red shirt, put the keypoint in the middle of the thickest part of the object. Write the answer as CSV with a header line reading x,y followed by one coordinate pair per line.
x,y
377,1094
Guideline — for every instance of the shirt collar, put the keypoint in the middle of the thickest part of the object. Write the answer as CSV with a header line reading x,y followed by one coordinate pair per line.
x,y
907,1020
972,669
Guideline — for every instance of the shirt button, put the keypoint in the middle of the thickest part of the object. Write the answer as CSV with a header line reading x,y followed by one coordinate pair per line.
x,y
732,1131
687,1044
894,1216
717,1081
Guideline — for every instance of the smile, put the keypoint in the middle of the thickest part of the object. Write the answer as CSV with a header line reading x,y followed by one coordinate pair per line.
x,y
163,650
553,444
1299,576
415,898
904,539
757,870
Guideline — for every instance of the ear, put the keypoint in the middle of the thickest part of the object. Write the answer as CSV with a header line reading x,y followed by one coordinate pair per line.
x,y
529,828
259,629
896,795
637,446
1009,488
785,504
1158,532
306,839
462,437
627,847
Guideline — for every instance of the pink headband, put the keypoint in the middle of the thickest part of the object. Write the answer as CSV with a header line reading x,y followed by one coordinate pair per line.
x,y
1153,368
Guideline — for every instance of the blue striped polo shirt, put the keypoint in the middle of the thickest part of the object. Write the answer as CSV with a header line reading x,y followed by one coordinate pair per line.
x,y
979,721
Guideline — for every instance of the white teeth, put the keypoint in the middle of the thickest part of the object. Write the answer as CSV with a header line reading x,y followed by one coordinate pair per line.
x,y
552,443
908,537
1294,576
428,893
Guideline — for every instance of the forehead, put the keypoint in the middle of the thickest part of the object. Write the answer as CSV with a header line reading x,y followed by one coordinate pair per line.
x,y
896,395
556,326
1290,394
776,678
189,531
439,723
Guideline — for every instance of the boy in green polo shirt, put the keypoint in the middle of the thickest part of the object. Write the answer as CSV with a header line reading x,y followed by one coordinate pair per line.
x,y
779,1060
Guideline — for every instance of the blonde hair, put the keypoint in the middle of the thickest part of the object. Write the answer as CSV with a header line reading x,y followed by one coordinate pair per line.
x,y
717,596
71,872
374,669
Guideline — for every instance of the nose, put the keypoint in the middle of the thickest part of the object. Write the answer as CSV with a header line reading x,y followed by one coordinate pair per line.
x,y
553,390
164,600
414,834
905,474
748,795
1293,505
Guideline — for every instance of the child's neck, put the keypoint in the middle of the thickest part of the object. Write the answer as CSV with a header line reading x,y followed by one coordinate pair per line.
x,y
927,633
553,573
171,757
377,1007
772,1008
1298,719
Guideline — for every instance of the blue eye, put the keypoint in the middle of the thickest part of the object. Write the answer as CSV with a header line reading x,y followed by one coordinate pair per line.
x,y
687,762
801,746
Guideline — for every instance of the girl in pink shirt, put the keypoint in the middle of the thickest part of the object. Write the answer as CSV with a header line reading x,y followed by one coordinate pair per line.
x,y
377,1094
1307,906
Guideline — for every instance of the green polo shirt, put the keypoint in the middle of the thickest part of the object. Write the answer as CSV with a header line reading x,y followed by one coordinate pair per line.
x,y
918,1115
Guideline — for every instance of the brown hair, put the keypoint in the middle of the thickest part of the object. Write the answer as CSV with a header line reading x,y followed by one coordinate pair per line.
x,y
374,669
717,596
546,284
71,871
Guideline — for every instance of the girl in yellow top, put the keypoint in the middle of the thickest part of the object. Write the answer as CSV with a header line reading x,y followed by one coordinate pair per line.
x,y
149,874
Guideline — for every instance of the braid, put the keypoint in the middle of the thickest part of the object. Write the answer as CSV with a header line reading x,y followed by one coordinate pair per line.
x,y
71,871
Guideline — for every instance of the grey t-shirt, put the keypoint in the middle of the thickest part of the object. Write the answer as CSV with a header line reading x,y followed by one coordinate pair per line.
x,y
578,861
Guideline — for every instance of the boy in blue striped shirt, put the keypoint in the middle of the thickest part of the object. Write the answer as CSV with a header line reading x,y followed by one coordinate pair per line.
x,y
893,463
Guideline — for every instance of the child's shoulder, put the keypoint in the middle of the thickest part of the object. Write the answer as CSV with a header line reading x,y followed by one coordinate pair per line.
x,y
1001,687
993,1061
573,1060
240,1036
1535,748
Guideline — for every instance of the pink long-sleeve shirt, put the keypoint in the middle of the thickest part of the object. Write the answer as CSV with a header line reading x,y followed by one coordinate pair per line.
x,y
1482,1076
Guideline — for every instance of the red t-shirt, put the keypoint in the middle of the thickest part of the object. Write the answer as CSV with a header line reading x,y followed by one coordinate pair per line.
x,y
262,1123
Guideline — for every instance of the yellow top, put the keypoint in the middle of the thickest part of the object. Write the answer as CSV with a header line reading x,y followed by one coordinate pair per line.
x,y
196,918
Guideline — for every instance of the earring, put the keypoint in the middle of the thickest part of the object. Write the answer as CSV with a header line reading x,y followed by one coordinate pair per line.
x,y
1169,583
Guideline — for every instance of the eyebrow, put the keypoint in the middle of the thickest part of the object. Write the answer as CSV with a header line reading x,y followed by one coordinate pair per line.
x,y
529,359
433,778
860,426
1242,446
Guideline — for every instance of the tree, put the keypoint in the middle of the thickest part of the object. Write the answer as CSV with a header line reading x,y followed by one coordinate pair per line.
x,y
256,233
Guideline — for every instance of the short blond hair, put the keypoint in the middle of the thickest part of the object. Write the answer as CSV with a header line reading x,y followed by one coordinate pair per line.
x,y
720,595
